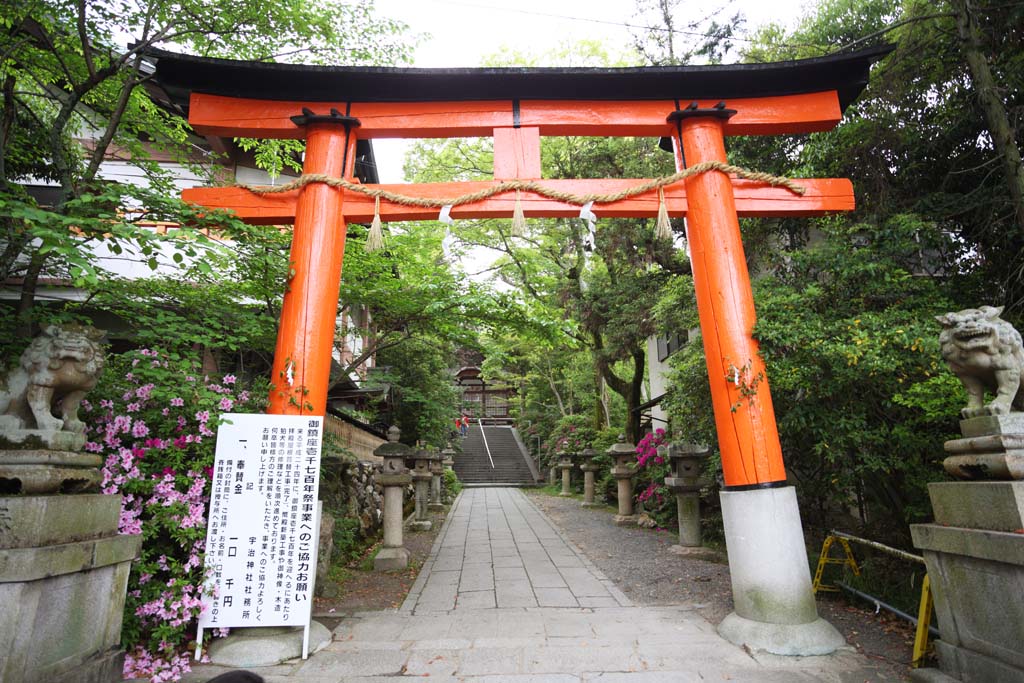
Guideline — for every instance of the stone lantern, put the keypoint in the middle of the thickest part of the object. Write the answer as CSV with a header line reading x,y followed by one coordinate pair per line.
x,y
565,464
421,478
448,457
588,467
393,477
624,457
687,461
436,472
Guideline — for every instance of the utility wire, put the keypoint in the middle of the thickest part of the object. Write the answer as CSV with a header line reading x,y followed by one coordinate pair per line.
x,y
608,22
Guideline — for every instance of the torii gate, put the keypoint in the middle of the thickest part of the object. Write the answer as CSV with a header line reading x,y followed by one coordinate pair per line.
x,y
696,107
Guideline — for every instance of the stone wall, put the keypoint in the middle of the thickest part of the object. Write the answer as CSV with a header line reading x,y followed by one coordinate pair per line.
x,y
359,442
347,489
348,492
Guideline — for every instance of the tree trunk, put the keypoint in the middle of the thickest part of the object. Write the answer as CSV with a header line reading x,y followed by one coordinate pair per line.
x,y
631,390
995,111
600,422
28,293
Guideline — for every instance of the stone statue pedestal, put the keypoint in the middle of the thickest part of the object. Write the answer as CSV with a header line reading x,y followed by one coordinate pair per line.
x,y
44,471
974,552
992,448
63,575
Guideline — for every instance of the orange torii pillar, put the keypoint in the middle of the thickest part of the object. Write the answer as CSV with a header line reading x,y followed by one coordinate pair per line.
x,y
305,338
771,581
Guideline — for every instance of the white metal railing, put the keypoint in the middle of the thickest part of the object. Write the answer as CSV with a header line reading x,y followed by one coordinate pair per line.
x,y
480,422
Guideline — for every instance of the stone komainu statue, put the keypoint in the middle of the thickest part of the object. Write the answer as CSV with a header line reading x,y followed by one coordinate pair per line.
x,y
986,353
58,368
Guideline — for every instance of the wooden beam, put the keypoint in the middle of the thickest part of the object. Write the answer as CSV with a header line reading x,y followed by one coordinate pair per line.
x,y
517,153
229,116
752,199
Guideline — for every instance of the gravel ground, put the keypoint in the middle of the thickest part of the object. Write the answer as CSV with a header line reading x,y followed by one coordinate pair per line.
x,y
639,562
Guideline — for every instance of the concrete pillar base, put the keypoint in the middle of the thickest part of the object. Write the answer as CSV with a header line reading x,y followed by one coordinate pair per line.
x,y
435,506
815,638
589,504
565,494
390,559
771,577
421,525
249,647
625,520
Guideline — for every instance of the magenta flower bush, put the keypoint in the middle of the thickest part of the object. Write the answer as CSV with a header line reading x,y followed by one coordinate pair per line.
x,y
571,434
651,471
153,419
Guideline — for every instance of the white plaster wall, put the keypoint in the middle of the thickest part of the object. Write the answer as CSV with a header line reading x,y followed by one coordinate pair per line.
x,y
657,373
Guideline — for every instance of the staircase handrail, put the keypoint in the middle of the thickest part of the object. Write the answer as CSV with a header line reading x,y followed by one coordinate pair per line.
x,y
480,422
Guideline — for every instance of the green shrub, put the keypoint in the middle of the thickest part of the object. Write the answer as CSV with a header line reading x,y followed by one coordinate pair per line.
x,y
452,485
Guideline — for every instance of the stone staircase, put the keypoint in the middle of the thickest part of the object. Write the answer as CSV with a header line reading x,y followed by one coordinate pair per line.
x,y
511,467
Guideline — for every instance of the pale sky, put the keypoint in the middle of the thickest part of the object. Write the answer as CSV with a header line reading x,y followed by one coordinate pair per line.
x,y
463,32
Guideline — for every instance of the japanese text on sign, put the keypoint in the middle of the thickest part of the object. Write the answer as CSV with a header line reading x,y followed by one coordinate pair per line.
x,y
263,528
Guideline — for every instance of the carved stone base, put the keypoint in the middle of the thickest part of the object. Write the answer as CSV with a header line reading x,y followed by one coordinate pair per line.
x,y
420,525
992,448
986,466
390,559
975,559
42,438
625,520
63,575
44,471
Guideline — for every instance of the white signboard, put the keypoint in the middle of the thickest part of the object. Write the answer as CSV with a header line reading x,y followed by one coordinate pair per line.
x,y
263,528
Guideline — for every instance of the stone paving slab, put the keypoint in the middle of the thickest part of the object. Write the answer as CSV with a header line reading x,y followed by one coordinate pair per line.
x,y
504,597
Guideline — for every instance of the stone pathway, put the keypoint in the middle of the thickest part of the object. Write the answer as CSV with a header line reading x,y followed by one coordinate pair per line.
x,y
505,597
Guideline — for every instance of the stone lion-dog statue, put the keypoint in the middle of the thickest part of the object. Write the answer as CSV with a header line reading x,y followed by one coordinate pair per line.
x,y
57,369
986,354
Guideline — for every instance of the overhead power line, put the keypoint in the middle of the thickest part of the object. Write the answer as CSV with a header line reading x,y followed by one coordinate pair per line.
x,y
591,20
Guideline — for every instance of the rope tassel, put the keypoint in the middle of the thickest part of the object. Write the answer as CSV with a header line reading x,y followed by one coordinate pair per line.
x,y
663,228
375,238
518,219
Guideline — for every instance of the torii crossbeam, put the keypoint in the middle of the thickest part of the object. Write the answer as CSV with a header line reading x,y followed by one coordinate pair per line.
x,y
696,107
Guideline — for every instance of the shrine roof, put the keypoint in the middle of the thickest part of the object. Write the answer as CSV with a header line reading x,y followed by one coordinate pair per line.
x,y
179,75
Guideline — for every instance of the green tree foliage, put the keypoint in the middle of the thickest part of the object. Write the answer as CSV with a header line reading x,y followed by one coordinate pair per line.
x,y
919,140
426,401
863,401
412,291
72,76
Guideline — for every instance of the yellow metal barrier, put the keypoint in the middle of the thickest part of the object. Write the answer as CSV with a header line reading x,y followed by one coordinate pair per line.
x,y
826,559
924,620
925,611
